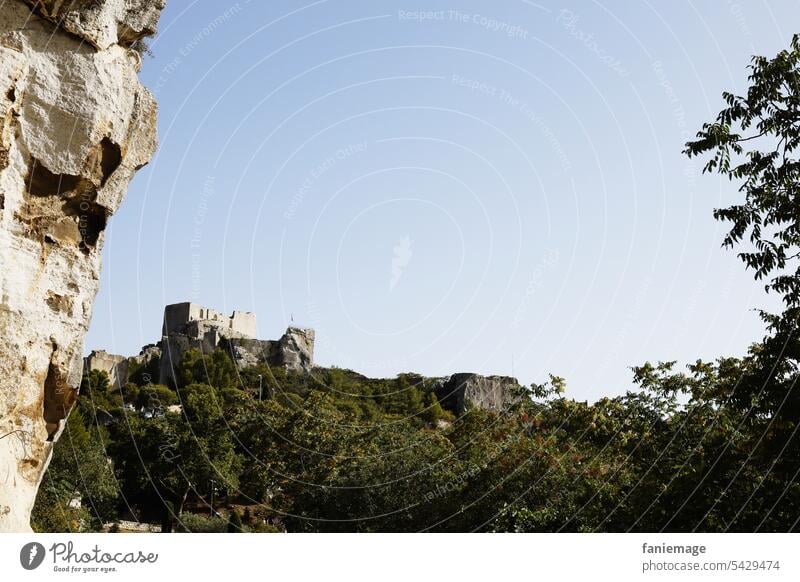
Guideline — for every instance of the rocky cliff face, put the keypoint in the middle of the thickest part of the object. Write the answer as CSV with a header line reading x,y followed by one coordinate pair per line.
x,y
116,367
294,351
462,391
75,125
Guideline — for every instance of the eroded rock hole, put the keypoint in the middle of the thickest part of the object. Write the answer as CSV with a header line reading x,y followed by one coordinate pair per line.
x,y
59,399
92,219
110,158
43,182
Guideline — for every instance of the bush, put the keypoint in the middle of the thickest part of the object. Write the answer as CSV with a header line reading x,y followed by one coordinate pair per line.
x,y
195,523
235,523
264,528
155,397
434,411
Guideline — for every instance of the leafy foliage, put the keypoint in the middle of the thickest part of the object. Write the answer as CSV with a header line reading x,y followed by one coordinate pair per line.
x,y
755,140
79,489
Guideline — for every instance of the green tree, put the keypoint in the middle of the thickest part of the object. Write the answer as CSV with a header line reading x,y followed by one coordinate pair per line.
x,y
79,471
97,393
215,369
434,412
754,141
178,455
235,523
155,398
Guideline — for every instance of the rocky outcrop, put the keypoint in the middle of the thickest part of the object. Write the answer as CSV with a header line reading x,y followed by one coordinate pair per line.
x,y
294,351
75,125
103,23
460,392
115,367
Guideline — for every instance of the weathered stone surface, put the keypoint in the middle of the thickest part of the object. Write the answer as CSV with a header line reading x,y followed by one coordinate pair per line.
x,y
173,347
116,367
103,23
247,352
294,351
148,360
75,125
460,392
180,315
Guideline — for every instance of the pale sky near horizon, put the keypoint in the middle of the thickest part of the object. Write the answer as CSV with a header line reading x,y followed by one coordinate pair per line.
x,y
444,186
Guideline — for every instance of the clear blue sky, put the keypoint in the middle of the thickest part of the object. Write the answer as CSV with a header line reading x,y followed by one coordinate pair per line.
x,y
440,194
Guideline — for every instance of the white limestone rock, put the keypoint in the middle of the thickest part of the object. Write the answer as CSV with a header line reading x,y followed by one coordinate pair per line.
x,y
463,391
293,352
75,125
296,349
115,366
103,23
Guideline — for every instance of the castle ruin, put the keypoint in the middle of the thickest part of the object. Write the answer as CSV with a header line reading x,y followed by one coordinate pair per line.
x,y
189,326
178,315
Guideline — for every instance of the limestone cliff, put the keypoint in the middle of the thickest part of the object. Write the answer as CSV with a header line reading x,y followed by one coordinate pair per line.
x,y
460,392
75,125
294,351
